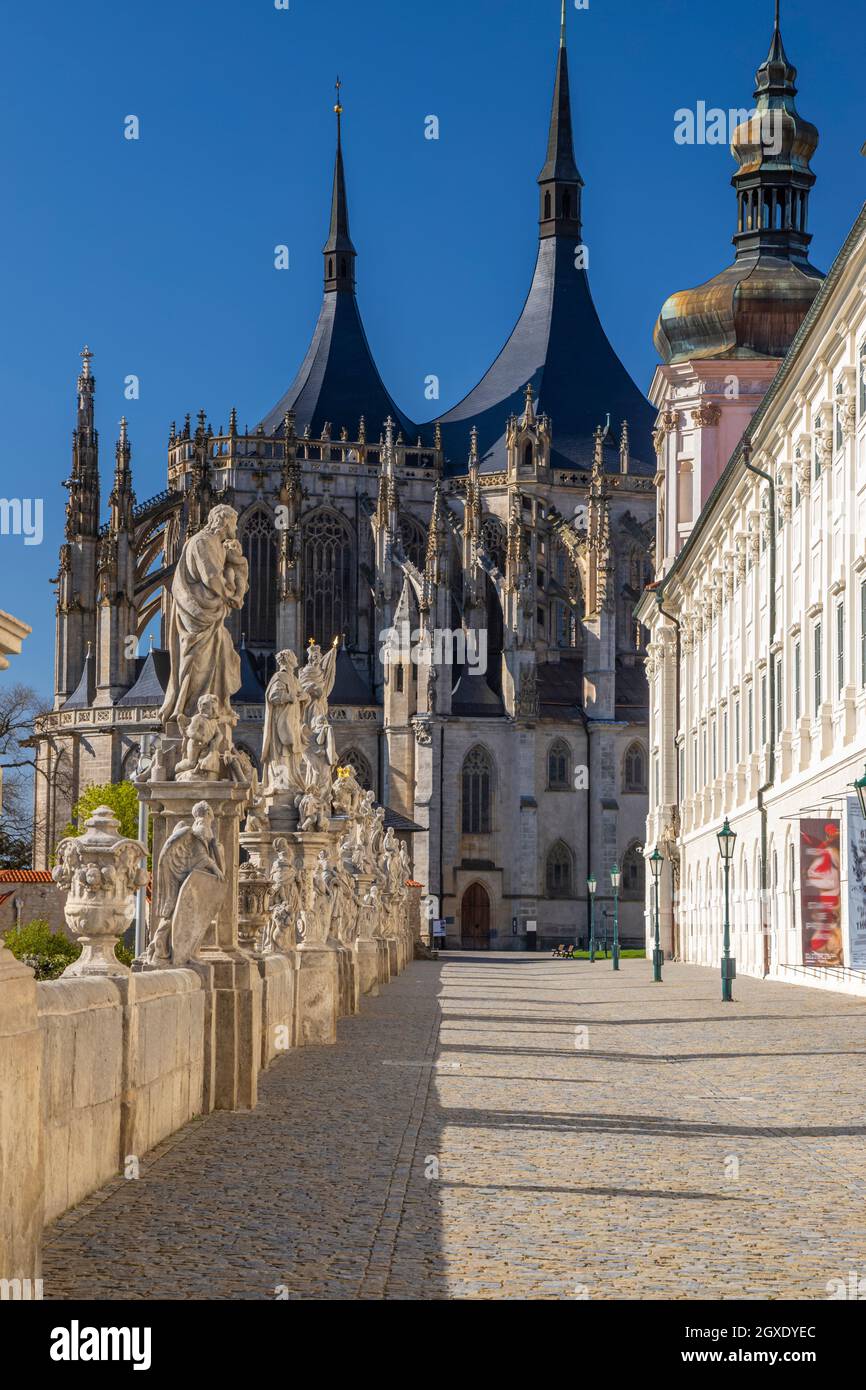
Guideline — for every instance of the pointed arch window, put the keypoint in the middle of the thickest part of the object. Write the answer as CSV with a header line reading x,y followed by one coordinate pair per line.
x,y
259,614
559,767
635,769
358,763
495,541
414,540
633,872
558,872
477,788
548,206
328,577
564,632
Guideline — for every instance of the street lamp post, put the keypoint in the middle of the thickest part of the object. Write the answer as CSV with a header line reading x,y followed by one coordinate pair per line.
x,y
727,839
591,887
614,883
655,862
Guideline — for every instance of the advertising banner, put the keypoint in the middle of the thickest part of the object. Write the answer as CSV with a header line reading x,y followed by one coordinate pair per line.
x,y
821,891
856,886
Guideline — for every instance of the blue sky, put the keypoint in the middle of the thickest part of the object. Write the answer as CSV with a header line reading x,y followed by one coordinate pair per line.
x,y
159,252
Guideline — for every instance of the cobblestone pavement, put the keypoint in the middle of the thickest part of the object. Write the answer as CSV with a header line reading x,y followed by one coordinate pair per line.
x,y
676,1148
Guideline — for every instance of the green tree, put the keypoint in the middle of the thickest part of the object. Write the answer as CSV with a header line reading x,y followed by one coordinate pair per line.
x,y
120,796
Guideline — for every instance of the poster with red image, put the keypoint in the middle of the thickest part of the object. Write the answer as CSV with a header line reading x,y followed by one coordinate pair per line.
x,y
821,891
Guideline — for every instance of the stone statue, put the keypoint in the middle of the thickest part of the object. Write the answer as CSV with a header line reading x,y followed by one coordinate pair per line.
x,y
324,898
190,887
202,742
347,793
281,743
284,900
317,679
210,581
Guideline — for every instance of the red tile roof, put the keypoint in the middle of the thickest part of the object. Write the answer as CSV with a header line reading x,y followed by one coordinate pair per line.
x,y
25,876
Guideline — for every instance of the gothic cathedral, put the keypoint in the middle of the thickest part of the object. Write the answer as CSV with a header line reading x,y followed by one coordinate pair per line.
x,y
481,571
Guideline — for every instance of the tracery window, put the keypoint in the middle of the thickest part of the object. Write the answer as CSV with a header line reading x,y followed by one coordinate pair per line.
x,y
559,766
259,613
633,872
494,539
359,765
414,541
328,578
558,871
477,786
634,777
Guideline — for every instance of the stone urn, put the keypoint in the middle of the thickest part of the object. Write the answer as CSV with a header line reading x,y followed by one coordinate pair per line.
x,y
102,872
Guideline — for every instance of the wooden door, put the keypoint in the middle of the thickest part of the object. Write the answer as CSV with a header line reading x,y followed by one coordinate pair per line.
x,y
475,919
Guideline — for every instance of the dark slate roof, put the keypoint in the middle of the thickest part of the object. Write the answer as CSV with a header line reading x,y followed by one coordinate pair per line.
x,y
473,698
560,688
395,821
151,681
560,347
350,688
338,381
82,695
632,692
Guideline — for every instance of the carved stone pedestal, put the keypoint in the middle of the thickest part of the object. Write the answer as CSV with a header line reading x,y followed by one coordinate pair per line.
x,y
366,946
318,994
231,978
394,963
384,960
367,956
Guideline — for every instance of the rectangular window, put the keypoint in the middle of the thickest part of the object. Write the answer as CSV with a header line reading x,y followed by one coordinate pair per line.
x,y
863,633
751,743
737,743
682,757
695,778
840,648
780,704
714,744
798,704
657,780
706,766
725,741
818,681
764,709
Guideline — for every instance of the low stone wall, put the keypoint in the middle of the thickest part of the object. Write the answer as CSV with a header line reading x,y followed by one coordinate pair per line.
x,y
95,1072
164,1056
21,1165
122,1068
82,1030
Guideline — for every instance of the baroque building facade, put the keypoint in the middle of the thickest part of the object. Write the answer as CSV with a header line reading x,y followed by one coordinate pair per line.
x,y
757,616
480,570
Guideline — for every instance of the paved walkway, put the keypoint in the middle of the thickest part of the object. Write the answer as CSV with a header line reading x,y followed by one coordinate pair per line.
x,y
466,1139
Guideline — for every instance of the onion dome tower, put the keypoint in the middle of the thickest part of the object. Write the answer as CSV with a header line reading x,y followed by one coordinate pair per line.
x,y
338,382
754,308
558,346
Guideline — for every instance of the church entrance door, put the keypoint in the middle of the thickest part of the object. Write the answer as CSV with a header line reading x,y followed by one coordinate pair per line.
x,y
475,919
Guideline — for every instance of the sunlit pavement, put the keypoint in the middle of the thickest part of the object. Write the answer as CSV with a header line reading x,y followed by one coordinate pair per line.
x,y
509,1126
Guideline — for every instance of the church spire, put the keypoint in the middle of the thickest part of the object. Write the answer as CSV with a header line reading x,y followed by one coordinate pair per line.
x,y
338,250
560,180
773,150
